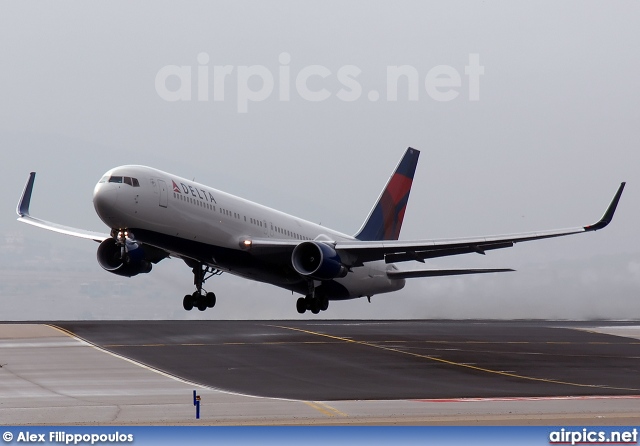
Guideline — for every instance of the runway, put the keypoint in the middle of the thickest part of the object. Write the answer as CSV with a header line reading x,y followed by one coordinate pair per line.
x,y
321,372
356,360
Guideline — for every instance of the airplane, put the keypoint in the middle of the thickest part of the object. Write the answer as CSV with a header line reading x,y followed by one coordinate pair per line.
x,y
155,215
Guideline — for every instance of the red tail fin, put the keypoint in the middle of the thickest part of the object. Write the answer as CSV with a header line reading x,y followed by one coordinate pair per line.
x,y
385,220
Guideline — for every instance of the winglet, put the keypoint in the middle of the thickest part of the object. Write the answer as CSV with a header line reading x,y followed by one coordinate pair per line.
x,y
25,200
608,215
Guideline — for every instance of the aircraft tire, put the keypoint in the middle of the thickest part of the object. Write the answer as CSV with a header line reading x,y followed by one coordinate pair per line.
x,y
301,305
187,302
211,300
202,304
324,304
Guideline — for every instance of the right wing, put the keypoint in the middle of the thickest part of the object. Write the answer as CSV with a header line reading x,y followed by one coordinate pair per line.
x,y
24,217
354,253
399,250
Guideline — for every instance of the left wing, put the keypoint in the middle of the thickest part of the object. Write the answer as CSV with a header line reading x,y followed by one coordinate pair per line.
x,y
24,217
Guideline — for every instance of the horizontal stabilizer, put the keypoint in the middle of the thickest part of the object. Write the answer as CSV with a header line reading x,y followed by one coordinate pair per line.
x,y
410,274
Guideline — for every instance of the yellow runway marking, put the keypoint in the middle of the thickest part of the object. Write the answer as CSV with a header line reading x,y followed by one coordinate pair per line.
x,y
213,344
426,342
325,409
453,363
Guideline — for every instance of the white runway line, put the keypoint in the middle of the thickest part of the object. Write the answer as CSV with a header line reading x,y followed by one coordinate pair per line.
x,y
631,331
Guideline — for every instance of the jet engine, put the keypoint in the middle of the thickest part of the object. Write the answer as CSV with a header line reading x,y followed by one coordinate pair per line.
x,y
317,261
125,258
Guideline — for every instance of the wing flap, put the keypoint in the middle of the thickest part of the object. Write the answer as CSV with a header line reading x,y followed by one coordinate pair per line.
x,y
410,274
420,256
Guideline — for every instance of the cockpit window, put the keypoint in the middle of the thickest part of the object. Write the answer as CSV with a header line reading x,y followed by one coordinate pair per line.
x,y
126,180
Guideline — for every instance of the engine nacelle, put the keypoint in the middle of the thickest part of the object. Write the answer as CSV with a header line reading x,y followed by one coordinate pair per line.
x,y
318,261
131,264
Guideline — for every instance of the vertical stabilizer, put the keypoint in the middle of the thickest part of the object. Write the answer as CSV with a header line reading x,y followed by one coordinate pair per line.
x,y
385,220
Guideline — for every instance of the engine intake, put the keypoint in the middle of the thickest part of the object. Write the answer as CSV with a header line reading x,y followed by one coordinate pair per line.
x,y
130,264
317,261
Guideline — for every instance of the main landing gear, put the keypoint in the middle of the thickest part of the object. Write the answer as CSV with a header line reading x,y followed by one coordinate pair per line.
x,y
311,302
200,298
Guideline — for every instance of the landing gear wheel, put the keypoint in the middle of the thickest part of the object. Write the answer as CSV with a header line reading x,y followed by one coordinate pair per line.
x,y
301,305
187,302
324,304
211,300
200,298
315,306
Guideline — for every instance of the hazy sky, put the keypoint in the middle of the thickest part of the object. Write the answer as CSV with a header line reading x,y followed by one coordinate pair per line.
x,y
554,130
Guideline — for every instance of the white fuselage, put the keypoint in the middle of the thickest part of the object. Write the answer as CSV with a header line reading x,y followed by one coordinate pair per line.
x,y
171,212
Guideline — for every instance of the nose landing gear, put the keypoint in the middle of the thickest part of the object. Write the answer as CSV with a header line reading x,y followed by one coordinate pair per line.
x,y
201,299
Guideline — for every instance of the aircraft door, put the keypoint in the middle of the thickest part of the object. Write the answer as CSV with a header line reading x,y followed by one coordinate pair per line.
x,y
164,193
266,229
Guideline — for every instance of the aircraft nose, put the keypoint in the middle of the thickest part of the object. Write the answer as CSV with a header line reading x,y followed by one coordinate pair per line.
x,y
104,200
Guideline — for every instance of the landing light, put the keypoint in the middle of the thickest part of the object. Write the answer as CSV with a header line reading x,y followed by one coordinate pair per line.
x,y
246,244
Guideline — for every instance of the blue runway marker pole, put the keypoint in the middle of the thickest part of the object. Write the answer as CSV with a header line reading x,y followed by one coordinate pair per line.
x,y
196,402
